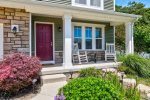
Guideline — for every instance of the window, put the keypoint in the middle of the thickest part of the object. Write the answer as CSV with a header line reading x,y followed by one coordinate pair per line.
x,y
98,38
81,1
88,37
78,36
93,4
96,3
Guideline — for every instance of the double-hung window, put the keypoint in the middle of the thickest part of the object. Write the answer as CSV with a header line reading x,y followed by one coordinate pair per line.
x,y
84,2
93,4
98,38
89,36
78,36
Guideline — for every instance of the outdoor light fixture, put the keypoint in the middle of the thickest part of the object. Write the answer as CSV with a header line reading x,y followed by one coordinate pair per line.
x,y
15,28
59,29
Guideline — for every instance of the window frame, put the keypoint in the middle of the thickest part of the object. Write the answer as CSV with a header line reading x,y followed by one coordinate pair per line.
x,y
96,37
94,26
88,38
88,5
78,37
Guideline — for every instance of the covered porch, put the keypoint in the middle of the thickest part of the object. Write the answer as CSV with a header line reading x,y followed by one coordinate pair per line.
x,y
66,25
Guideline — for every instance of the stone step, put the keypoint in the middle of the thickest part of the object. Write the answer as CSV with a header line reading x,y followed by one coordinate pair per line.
x,y
143,88
112,70
129,82
148,96
53,78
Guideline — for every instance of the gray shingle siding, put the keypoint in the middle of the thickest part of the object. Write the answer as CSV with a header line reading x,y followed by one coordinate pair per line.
x,y
109,4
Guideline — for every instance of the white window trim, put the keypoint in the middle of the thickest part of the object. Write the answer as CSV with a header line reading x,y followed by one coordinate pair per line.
x,y
1,40
88,5
83,25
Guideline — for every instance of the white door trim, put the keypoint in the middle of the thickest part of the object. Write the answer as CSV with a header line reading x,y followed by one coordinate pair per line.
x,y
1,41
51,61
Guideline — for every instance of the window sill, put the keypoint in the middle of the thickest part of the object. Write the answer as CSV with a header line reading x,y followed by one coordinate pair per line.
x,y
93,50
86,6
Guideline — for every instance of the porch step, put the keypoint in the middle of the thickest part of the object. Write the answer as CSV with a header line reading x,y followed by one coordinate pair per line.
x,y
60,69
53,78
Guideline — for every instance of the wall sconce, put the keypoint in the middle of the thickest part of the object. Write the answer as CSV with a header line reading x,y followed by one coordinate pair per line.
x,y
15,28
59,29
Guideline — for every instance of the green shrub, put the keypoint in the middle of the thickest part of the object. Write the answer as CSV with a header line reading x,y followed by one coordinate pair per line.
x,y
120,57
132,94
127,70
91,88
90,72
138,64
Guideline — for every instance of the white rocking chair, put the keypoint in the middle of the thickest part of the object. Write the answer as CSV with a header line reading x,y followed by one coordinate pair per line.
x,y
110,52
81,57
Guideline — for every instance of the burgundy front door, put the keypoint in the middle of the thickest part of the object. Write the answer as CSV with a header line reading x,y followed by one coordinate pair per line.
x,y
44,41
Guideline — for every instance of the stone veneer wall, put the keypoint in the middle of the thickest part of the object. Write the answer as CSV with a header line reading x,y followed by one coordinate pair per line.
x,y
100,56
11,16
58,57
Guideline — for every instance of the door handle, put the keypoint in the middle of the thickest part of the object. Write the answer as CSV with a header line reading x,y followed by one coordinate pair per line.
x,y
51,43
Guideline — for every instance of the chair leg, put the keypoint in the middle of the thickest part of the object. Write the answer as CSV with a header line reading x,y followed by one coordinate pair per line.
x,y
105,57
115,58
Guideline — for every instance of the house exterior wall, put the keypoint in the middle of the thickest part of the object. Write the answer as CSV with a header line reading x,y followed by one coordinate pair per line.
x,y
58,35
11,16
109,36
108,4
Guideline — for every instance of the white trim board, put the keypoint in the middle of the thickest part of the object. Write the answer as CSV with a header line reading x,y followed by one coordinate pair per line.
x,y
1,41
83,25
48,62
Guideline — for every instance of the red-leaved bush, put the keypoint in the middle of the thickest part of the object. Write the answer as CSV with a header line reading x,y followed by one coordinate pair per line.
x,y
17,71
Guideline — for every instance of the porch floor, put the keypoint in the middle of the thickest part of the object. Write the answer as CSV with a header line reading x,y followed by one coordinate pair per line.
x,y
58,68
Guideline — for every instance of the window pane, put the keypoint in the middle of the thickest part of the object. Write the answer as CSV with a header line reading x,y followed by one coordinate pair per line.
x,y
88,43
79,41
88,37
80,1
78,31
96,3
88,32
78,36
98,33
98,43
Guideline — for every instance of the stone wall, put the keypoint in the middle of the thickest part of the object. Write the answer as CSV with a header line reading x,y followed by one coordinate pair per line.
x,y
58,57
100,56
13,41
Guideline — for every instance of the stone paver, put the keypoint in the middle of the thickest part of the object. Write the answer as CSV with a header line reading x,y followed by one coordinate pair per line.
x,y
129,82
143,88
109,70
119,74
48,91
148,96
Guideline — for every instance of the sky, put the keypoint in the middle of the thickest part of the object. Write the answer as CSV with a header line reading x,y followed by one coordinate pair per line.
x,y
125,2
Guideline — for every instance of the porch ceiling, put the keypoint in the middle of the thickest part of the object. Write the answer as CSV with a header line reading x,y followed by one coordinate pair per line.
x,y
76,12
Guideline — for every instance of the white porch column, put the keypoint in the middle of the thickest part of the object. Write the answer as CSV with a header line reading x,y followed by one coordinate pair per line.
x,y
67,54
129,38
1,41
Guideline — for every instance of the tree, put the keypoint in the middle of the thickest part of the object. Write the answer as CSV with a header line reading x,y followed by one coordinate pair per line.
x,y
141,27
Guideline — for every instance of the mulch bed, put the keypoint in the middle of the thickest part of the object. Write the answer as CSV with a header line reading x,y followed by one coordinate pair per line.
x,y
23,94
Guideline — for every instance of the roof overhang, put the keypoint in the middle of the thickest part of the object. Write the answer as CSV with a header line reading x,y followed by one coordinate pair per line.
x,y
41,7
